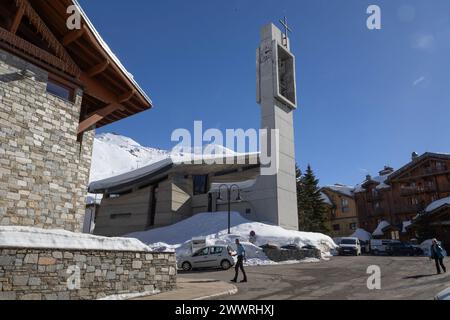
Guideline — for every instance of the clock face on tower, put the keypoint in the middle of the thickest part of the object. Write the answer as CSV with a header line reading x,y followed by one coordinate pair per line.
x,y
284,80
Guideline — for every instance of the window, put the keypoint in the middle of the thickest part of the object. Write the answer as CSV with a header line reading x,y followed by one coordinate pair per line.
x,y
395,235
353,226
200,184
57,89
414,201
440,166
203,252
345,205
216,250
348,241
336,227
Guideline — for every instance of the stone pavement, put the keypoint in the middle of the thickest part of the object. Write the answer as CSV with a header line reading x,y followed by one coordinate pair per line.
x,y
195,289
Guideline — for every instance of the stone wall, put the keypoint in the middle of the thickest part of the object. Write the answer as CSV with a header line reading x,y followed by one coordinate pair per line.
x,y
44,274
279,255
44,170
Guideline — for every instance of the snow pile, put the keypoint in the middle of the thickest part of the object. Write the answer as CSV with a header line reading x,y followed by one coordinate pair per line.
x,y
362,234
213,227
437,204
346,190
381,226
28,237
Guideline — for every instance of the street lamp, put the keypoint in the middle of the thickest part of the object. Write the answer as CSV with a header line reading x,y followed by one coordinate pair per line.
x,y
238,199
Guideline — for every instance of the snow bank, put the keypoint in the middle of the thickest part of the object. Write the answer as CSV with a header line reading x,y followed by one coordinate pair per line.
x,y
362,234
213,227
28,237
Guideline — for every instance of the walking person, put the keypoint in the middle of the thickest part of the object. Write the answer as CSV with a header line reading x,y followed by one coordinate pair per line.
x,y
437,253
240,261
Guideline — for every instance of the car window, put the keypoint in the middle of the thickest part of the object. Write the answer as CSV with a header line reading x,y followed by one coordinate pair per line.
x,y
348,241
216,250
202,252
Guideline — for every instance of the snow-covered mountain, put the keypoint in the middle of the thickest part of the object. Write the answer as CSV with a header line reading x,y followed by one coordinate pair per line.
x,y
114,154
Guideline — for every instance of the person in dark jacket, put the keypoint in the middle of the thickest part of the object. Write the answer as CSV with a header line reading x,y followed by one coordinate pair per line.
x,y
240,262
437,253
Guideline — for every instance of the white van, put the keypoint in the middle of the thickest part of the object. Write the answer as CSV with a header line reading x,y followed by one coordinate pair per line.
x,y
350,246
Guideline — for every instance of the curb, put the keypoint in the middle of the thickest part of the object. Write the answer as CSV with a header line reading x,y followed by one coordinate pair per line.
x,y
218,295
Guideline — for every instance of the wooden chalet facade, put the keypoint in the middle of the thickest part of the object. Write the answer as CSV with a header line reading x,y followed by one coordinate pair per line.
x,y
56,86
399,196
342,217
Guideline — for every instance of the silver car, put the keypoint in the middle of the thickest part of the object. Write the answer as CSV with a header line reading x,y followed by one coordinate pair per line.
x,y
208,257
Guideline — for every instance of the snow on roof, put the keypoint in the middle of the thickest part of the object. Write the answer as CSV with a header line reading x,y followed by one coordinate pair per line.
x,y
362,234
130,176
325,199
380,180
437,204
381,226
29,237
406,224
108,50
346,190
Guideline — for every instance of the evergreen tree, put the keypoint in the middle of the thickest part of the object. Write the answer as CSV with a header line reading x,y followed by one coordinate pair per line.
x,y
311,208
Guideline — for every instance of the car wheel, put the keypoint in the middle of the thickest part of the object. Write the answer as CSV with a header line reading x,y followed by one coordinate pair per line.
x,y
186,266
225,265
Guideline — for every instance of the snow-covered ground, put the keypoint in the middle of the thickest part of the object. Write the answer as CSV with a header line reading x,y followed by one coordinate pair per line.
x,y
29,237
213,227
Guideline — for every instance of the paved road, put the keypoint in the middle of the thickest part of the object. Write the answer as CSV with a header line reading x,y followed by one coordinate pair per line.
x,y
340,278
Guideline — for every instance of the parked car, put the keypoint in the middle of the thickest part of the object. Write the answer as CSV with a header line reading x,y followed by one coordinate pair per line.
x,y
208,257
350,246
402,249
378,246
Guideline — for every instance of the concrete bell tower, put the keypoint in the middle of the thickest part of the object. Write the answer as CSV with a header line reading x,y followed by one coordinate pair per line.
x,y
277,95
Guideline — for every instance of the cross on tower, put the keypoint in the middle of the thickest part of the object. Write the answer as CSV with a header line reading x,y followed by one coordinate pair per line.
x,y
286,29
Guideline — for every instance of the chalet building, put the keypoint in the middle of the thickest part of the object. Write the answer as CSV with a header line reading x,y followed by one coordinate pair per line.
x,y
342,218
169,191
387,204
56,86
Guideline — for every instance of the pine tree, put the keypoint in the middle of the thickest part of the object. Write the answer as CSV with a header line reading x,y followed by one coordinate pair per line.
x,y
311,208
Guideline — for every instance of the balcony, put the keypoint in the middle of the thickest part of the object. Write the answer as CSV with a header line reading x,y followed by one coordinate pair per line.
x,y
409,191
435,170
408,208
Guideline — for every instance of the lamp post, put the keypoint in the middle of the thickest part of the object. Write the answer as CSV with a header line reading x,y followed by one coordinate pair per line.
x,y
238,199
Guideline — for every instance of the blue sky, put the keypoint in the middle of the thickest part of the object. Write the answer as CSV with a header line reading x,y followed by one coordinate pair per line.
x,y
366,98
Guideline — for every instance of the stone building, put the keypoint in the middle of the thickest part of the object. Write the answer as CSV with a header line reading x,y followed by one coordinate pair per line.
x,y
389,202
56,86
342,218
